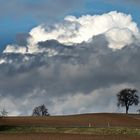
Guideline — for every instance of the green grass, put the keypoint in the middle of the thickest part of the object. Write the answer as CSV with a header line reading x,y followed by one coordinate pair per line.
x,y
74,130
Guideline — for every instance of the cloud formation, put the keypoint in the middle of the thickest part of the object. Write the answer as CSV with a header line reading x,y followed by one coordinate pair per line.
x,y
118,28
72,67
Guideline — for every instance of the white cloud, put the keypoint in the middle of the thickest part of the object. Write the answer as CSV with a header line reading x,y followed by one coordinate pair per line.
x,y
2,61
15,49
118,28
118,38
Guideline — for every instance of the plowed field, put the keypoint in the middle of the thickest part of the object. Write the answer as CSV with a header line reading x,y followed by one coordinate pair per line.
x,y
100,126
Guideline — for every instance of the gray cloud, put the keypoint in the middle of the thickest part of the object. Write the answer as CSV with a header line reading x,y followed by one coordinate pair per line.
x,y
82,77
42,9
86,74
21,39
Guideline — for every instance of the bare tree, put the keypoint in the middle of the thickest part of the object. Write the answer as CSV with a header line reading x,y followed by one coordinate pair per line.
x,y
4,113
40,111
127,97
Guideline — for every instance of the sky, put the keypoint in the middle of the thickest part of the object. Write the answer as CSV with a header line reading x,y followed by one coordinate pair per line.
x,y
73,56
19,16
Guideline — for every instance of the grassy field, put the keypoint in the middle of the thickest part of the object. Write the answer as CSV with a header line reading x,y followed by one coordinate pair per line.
x,y
56,136
74,127
74,130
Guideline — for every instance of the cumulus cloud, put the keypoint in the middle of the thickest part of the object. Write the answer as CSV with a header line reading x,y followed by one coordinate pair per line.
x,y
15,49
118,28
72,67
76,30
119,38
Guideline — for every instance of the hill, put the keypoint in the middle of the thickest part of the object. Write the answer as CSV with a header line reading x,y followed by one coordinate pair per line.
x,y
81,120
103,126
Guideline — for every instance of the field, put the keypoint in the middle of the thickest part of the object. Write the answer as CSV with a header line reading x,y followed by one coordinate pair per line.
x,y
75,127
64,137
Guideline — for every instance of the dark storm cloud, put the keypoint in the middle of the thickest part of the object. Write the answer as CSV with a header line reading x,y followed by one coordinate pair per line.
x,y
85,68
49,70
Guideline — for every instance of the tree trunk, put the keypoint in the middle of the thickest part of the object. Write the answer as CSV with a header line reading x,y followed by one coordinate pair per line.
x,y
127,109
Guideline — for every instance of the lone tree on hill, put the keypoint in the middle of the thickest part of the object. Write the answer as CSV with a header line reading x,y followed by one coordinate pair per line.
x,y
40,111
127,97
